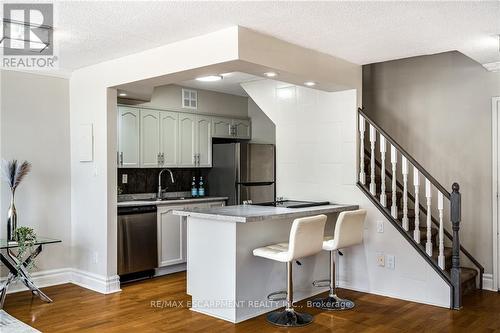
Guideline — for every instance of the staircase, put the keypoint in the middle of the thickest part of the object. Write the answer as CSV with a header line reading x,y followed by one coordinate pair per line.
x,y
405,192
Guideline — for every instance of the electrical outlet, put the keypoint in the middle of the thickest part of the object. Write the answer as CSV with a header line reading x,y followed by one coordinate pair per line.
x,y
124,178
380,259
391,261
95,258
380,226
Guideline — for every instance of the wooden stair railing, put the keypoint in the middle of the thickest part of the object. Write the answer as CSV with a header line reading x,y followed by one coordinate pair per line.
x,y
454,278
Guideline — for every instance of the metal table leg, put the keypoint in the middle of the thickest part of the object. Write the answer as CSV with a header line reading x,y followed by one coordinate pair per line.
x,y
18,270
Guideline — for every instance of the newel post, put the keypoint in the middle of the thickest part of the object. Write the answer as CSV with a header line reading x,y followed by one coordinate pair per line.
x,y
455,215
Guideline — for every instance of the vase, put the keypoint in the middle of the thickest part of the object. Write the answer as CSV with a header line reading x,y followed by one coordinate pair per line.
x,y
11,220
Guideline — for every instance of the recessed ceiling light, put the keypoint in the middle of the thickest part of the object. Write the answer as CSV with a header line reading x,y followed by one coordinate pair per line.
x,y
271,74
310,83
122,94
209,78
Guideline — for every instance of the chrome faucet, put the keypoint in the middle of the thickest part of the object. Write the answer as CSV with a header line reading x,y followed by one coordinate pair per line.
x,y
158,195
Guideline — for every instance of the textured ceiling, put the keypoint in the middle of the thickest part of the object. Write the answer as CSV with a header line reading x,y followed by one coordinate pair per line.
x,y
361,32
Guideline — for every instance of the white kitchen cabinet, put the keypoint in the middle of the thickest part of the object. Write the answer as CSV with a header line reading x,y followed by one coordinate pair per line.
x,y
187,140
172,232
154,138
222,127
150,138
242,129
231,128
171,237
128,137
203,141
169,139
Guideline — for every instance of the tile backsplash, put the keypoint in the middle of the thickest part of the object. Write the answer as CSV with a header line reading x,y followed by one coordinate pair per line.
x,y
146,180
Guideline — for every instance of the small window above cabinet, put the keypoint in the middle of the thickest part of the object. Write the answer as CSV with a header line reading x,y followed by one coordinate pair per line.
x,y
189,99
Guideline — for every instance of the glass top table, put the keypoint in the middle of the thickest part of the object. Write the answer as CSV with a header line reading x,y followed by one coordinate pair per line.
x,y
4,244
18,267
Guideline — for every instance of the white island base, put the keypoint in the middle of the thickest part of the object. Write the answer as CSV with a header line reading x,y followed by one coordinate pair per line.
x,y
225,280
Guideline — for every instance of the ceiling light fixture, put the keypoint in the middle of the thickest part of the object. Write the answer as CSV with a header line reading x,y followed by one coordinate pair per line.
x,y
209,78
310,83
271,74
122,94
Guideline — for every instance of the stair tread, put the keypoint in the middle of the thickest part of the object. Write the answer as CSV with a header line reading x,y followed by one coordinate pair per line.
x,y
467,274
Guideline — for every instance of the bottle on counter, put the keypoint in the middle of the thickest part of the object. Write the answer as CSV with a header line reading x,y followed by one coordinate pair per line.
x,y
194,189
201,188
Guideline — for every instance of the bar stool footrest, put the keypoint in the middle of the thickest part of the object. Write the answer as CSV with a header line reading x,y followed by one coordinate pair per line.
x,y
321,283
277,296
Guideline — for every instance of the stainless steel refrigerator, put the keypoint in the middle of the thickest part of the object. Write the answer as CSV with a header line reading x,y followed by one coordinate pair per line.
x,y
243,172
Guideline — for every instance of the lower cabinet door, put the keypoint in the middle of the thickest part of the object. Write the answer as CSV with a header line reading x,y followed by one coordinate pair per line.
x,y
171,237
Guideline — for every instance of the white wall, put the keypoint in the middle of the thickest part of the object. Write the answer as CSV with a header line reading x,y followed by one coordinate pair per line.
x,y
263,128
92,101
34,126
170,96
316,160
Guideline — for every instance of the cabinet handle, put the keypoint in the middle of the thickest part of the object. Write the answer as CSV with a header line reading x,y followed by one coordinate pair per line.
x,y
121,158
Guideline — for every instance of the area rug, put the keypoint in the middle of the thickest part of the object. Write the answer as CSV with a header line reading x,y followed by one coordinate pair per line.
x,y
9,324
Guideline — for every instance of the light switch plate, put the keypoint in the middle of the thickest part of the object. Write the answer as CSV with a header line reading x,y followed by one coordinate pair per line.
x,y
380,226
380,259
124,178
391,261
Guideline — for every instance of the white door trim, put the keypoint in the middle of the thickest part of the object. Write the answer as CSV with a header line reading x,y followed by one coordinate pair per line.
x,y
495,109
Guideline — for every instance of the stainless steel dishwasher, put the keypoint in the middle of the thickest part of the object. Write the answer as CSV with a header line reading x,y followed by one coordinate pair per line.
x,y
137,241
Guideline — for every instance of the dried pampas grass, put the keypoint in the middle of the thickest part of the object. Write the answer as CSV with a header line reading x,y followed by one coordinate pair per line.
x,y
14,172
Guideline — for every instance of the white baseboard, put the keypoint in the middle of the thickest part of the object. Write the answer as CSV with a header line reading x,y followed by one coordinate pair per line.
x,y
347,285
95,282
488,282
170,269
43,279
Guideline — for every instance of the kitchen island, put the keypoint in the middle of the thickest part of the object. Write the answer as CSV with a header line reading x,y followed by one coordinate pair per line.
x,y
225,280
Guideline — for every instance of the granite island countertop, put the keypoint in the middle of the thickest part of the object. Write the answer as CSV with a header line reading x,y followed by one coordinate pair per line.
x,y
252,213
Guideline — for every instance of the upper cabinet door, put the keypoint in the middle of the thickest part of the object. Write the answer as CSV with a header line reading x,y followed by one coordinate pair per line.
x,y
150,138
169,142
242,129
187,140
222,127
128,137
204,141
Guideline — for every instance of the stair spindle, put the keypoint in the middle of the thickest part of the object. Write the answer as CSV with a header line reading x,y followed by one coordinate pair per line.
x,y
404,166
373,139
416,184
441,258
394,161
383,197
362,176
428,196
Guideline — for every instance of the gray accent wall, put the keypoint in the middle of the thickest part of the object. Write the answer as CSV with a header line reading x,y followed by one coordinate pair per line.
x,y
438,107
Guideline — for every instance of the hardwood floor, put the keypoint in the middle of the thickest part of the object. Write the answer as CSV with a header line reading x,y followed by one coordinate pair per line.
x,y
77,309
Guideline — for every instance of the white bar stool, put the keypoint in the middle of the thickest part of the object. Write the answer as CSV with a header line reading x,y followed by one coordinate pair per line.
x,y
306,239
348,232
